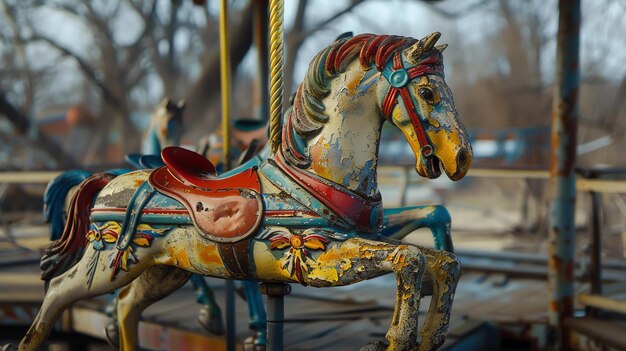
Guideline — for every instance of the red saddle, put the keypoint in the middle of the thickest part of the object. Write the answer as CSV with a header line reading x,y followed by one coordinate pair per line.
x,y
223,209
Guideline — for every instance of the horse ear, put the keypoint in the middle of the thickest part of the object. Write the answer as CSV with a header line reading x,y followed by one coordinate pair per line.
x,y
415,51
441,47
346,35
430,41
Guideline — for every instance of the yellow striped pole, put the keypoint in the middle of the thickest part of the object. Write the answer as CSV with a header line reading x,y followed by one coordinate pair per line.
x,y
225,82
276,71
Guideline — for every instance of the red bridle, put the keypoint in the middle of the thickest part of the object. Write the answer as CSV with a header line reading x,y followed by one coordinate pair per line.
x,y
398,78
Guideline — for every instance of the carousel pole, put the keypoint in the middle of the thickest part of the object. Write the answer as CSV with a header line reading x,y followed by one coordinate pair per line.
x,y
276,72
261,31
225,88
276,291
225,82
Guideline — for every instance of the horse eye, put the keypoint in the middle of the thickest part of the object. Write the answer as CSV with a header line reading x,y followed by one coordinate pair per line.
x,y
427,94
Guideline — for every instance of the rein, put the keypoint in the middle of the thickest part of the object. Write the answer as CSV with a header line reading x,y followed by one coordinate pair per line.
x,y
398,78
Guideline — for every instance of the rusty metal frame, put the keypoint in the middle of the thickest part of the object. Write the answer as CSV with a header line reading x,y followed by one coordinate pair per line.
x,y
562,177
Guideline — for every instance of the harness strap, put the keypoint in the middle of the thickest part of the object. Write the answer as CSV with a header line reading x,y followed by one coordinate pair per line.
x,y
339,205
140,199
398,77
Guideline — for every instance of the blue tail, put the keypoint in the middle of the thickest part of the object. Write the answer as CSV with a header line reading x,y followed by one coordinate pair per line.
x,y
54,199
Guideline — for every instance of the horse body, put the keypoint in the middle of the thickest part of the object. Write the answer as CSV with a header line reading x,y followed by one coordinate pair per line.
x,y
322,213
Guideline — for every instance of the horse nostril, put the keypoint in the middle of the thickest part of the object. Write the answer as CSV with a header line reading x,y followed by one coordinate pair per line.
x,y
463,159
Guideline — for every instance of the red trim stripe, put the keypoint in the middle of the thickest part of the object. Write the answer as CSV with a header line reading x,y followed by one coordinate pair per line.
x,y
290,213
146,211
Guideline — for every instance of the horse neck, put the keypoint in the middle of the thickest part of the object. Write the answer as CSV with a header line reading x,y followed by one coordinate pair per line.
x,y
151,144
346,150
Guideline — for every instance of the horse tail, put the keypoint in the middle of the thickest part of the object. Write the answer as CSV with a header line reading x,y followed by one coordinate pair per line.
x,y
62,254
54,199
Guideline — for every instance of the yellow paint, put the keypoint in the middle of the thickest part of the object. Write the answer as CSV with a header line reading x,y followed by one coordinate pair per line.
x,y
209,254
183,259
354,81
346,265
179,257
267,266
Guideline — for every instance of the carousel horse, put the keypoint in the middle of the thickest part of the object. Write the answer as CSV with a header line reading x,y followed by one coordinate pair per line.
x,y
309,214
165,129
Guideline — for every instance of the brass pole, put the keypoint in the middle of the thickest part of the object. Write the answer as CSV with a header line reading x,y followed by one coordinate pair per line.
x,y
276,71
225,82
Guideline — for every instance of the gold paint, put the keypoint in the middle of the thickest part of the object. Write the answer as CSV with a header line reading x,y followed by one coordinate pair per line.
x,y
296,241
209,254
354,81
183,259
345,265
267,266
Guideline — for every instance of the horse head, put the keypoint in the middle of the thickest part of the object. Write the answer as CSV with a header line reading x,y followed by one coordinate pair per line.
x,y
167,122
418,101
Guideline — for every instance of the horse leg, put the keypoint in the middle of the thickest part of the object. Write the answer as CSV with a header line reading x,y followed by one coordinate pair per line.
x,y
151,286
400,222
70,287
210,315
445,270
357,259
257,320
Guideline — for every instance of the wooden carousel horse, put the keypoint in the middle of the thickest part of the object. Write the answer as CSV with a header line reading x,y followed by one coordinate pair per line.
x,y
311,213
165,129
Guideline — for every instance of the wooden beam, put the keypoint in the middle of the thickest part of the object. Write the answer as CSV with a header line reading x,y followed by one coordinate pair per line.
x,y
27,177
603,303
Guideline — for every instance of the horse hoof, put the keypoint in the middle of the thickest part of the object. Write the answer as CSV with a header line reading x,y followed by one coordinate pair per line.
x,y
377,345
212,324
9,347
250,345
112,335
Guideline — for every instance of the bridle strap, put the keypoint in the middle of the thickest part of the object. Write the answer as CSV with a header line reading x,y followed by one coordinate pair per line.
x,y
398,77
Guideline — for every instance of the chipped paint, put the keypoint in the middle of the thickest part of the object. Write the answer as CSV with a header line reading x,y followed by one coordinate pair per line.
x,y
340,123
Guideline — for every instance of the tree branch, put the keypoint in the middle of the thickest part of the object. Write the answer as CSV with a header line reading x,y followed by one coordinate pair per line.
x,y
22,123
87,70
330,19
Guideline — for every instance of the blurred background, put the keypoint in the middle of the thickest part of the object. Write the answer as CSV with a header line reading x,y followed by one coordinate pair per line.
x,y
80,80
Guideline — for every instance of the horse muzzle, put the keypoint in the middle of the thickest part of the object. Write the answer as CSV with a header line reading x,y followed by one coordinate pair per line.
x,y
455,167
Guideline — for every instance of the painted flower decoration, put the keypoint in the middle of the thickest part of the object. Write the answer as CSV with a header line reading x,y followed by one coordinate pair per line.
x,y
297,259
107,233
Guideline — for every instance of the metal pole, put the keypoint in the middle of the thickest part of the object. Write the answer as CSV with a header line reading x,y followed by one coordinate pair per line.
x,y
225,80
275,313
225,90
276,72
261,35
595,263
562,178
231,326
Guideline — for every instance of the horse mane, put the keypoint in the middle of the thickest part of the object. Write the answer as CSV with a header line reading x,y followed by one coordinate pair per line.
x,y
308,115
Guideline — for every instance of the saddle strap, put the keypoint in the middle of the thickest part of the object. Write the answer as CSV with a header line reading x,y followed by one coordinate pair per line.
x,y
140,199
236,258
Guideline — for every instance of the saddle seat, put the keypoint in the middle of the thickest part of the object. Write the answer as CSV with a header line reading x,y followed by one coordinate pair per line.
x,y
222,209
188,166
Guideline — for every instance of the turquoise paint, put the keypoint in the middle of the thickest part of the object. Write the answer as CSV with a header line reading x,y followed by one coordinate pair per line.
x,y
295,222
145,218
438,221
